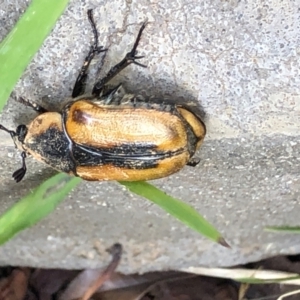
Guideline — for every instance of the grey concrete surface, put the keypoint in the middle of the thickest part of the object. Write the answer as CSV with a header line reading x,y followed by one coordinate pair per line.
x,y
240,61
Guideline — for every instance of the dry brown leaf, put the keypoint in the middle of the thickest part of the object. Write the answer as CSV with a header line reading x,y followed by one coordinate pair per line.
x,y
14,287
88,281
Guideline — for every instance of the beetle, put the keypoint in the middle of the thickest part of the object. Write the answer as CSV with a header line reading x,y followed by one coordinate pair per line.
x,y
111,134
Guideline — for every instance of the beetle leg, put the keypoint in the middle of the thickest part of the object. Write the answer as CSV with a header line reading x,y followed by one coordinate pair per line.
x,y
11,132
19,174
193,162
130,58
80,83
32,104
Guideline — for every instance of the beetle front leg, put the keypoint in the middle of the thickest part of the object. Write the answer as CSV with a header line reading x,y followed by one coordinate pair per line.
x,y
129,58
80,83
11,132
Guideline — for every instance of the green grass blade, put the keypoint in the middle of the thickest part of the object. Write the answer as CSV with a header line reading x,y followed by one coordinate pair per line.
x,y
19,46
36,205
178,209
266,281
249,276
284,229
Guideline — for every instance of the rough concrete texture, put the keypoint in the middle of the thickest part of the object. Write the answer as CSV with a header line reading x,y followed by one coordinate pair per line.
x,y
240,61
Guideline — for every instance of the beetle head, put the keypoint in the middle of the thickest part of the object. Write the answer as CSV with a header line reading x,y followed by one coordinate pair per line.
x,y
21,132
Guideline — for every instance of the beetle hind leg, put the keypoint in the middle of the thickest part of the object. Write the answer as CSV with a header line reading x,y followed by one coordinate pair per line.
x,y
79,86
130,58
20,173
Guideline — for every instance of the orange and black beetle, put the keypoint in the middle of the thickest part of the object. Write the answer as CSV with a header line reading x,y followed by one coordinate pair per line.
x,y
111,134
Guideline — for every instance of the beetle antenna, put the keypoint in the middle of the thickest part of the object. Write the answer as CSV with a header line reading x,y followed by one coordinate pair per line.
x,y
19,174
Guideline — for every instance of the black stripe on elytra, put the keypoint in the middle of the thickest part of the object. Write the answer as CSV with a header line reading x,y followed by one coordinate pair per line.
x,y
126,156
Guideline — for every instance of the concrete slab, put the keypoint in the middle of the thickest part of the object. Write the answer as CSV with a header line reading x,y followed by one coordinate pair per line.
x,y
240,61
